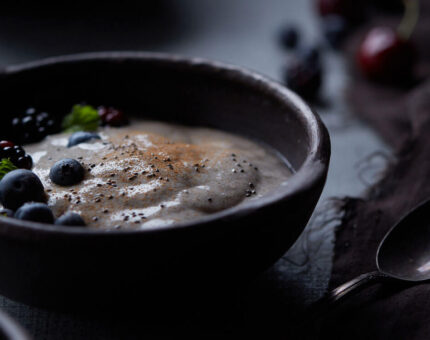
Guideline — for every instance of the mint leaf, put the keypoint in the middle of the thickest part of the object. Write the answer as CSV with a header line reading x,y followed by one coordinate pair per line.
x,y
6,166
82,118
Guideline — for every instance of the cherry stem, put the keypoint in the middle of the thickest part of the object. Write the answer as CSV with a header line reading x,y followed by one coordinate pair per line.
x,y
410,19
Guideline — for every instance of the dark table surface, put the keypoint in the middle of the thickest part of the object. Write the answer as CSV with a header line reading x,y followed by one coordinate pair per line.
x,y
241,32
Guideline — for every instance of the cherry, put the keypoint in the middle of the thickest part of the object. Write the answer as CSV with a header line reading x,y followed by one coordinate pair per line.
x,y
390,5
327,7
349,9
385,56
6,143
111,116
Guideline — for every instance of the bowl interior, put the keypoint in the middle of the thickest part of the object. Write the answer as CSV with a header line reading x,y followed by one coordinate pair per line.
x,y
167,90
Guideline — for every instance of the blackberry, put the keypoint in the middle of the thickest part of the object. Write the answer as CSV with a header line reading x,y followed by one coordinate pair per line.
x,y
304,77
32,127
310,55
16,154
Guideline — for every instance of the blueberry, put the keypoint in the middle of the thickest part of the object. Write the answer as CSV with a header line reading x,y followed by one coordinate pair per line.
x,y
335,29
289,37
66,172
20,186
70,219
7,212
36,212
81,137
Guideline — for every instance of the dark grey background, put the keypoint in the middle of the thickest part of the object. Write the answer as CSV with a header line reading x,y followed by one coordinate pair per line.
x,y
241,32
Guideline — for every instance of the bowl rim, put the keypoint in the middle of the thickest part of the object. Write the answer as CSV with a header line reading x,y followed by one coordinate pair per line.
x,y
313,170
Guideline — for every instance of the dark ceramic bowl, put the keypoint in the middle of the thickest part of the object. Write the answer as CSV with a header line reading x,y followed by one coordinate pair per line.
x,y
46,265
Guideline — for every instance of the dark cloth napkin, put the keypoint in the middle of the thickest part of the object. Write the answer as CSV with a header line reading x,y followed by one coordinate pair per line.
x,y
402,117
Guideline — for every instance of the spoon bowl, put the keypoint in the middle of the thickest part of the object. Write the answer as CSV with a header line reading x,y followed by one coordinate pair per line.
x,y
404,253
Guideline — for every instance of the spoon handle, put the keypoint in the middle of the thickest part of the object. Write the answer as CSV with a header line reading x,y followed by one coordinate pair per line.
x,y
318,311
353,285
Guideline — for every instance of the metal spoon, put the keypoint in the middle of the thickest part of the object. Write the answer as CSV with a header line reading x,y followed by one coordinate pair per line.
x,y
403,254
